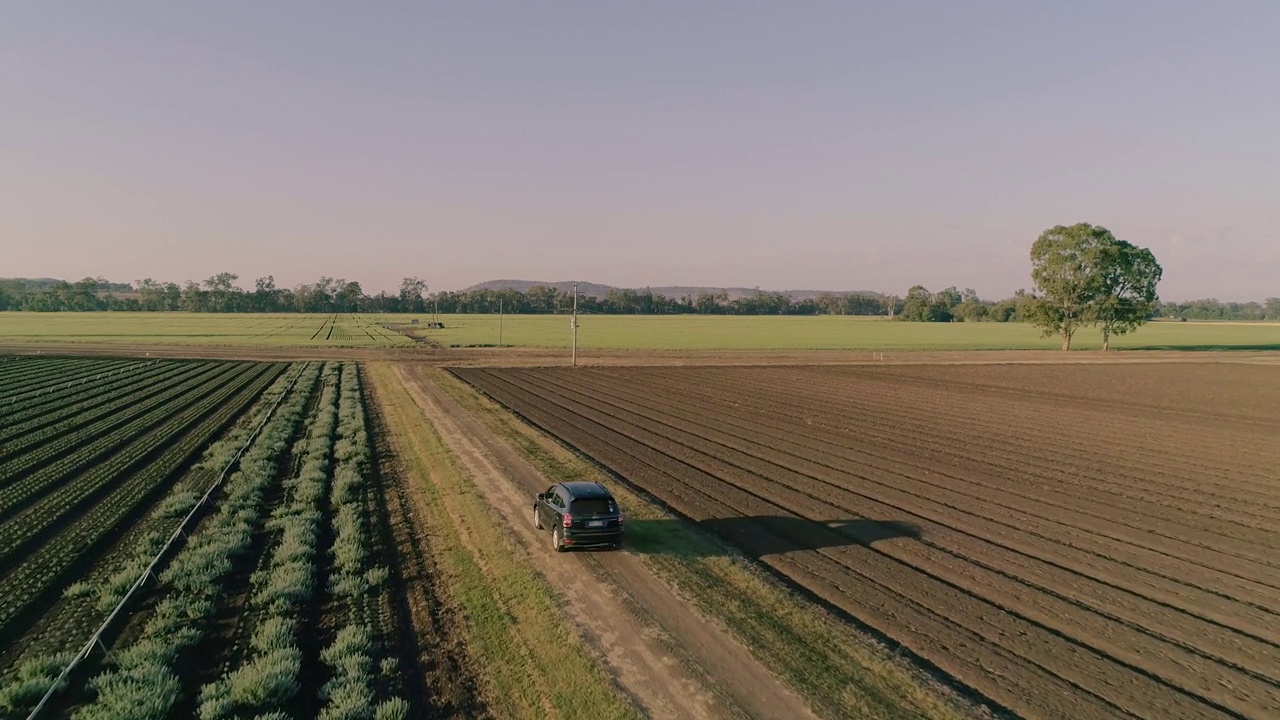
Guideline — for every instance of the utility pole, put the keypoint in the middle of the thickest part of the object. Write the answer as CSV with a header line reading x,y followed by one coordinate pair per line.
x,y
574,324
499,322
435,314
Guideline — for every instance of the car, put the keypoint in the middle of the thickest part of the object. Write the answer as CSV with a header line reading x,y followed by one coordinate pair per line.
x,y
579,514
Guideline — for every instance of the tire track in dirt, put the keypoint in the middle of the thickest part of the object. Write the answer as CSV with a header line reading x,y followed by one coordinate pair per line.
x,y
635,652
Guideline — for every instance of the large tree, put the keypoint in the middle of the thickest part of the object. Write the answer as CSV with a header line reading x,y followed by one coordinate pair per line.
x,y
916,307
1085,276
413,291
1128,297
1065,265
222,292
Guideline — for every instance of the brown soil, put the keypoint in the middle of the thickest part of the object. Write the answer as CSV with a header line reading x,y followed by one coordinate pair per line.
x,y
600,596
1065,541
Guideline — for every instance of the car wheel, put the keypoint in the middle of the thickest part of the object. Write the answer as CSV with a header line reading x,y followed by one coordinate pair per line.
x,y
557,540
537,519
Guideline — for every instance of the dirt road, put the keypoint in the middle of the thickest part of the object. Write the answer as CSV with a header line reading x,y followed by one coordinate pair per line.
x,y
600,590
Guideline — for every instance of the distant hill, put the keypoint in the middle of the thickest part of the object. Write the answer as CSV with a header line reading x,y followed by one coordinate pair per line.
x,y
671,291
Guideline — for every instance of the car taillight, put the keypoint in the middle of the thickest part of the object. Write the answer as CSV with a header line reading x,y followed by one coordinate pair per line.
x,y
568,521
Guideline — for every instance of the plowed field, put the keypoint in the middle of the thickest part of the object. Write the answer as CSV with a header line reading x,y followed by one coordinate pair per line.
x,y
1064,541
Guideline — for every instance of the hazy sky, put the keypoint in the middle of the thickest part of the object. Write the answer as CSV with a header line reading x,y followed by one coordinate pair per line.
x,y
786,145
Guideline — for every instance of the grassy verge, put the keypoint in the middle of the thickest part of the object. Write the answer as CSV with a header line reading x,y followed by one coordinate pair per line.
x,y
601,332
838,670
532,665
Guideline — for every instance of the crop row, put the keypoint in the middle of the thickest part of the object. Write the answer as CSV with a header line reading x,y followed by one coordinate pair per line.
x,y
39,572
35,494
37,414
324,326
106,405
141,681
268,679
87,601
18,371
24,372
53,381
82,447
352,689
157,527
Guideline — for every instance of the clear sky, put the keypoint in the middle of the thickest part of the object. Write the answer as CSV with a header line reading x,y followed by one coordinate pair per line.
x,y
793,145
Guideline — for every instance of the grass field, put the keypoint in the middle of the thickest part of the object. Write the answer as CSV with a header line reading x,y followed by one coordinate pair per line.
x,y
264,330
700,332
603,332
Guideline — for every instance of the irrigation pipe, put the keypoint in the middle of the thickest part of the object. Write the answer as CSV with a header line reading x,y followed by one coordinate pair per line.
x,y
96,638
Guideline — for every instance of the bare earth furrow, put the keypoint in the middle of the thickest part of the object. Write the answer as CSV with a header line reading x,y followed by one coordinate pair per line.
x,y
1056,619
1002,478
1092,468
1206,576
1007,553
1181,462
1005,678
1086,431
1095,560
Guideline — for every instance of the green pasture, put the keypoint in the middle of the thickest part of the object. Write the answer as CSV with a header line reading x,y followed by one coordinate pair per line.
x,y
826,332
603,332
178,328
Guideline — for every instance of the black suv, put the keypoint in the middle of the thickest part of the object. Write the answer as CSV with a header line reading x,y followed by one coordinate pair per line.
x,y
579,514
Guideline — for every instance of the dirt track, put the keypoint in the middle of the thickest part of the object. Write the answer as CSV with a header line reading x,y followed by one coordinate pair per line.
x,y
636,654
1068,542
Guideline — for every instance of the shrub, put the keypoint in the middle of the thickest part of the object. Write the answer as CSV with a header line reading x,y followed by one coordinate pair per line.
x,y
269,679
31,679
78,590
393,709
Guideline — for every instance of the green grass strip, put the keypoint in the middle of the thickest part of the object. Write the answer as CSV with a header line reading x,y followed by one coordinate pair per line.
x,y
532,665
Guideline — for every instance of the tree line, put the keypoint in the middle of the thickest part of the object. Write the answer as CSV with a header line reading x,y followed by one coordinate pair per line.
x,y
221,294
218,294
1083,276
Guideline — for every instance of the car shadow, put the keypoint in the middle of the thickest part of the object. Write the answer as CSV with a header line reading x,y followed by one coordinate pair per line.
x,y
758,536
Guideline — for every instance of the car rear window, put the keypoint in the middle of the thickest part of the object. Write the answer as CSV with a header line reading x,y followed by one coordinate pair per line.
x,y
593,506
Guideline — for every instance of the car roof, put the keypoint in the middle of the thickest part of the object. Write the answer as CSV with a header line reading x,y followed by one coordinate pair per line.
x,y
583,489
